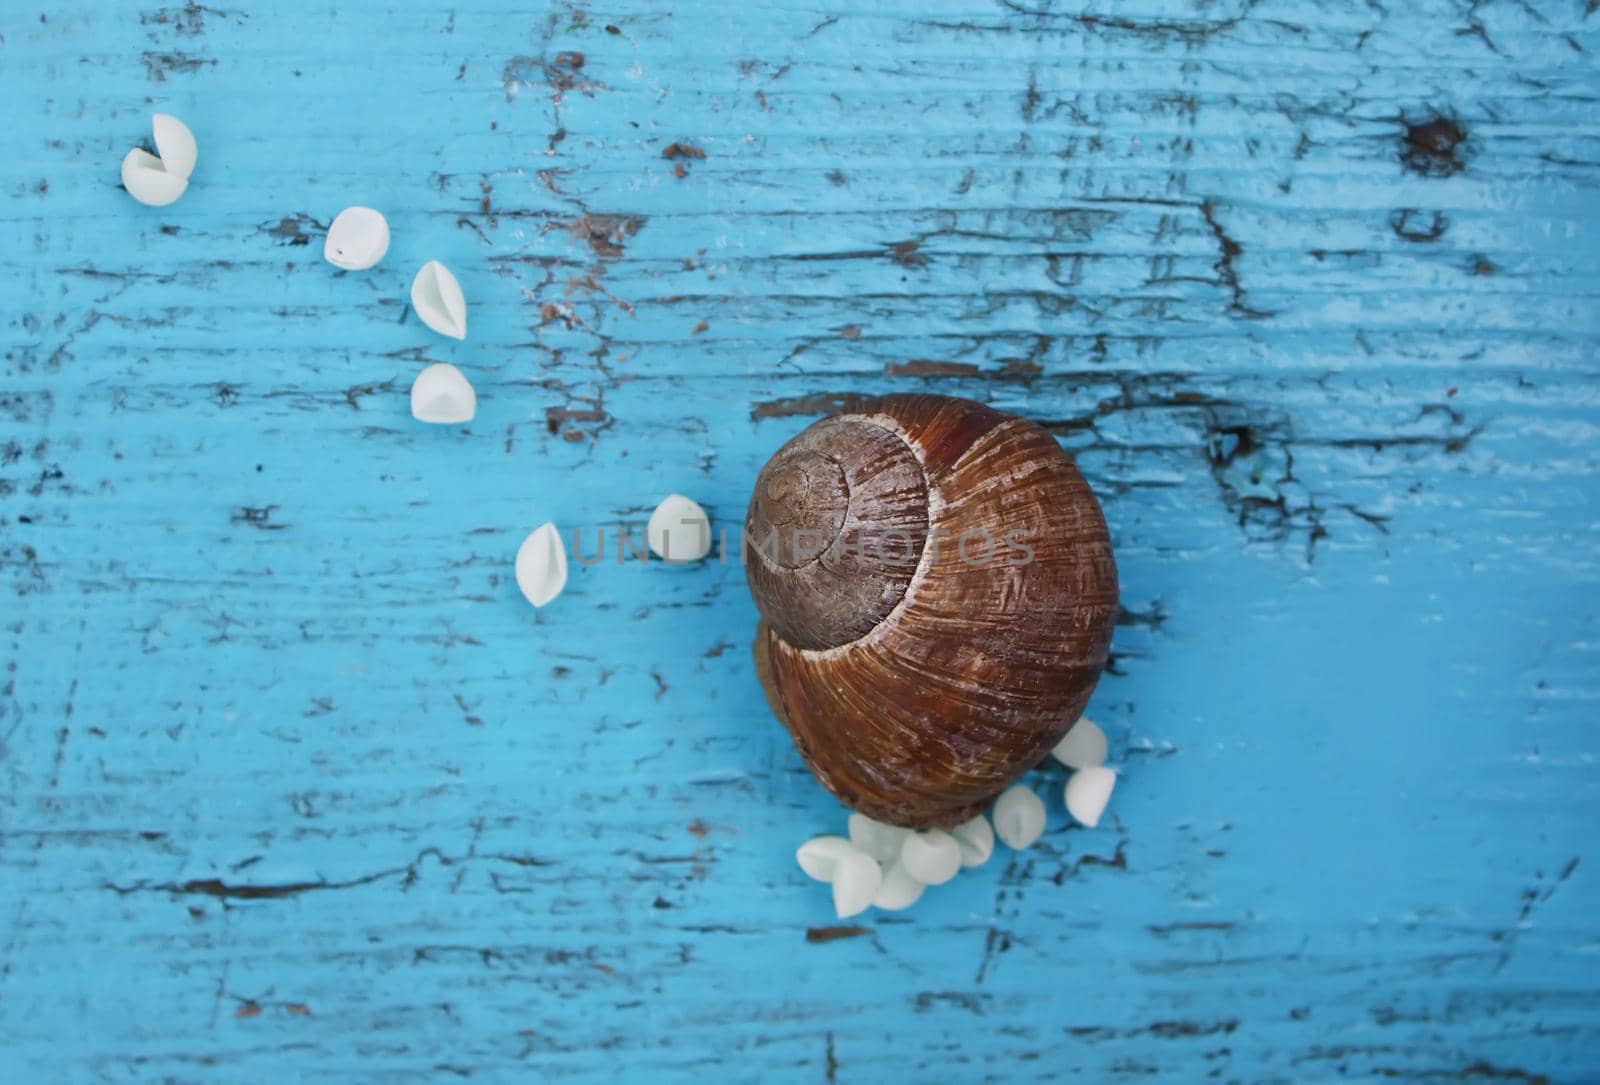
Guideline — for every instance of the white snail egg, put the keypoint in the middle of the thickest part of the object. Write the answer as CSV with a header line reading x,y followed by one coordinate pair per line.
x,y
821,854
437,299
542,565
157,180
442,396
147,182
679,530
976,840
932,856
174,144
1019,817
899,889
856,879
1088,792
878,840
357,239
1083,746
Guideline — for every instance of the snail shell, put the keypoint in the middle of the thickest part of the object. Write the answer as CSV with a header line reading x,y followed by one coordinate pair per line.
x,y
938,590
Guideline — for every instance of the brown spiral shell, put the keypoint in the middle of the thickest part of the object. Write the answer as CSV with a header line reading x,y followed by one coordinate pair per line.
x,y
938,591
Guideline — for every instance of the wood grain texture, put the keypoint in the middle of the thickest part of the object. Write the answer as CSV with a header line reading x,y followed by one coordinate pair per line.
x,y
297,787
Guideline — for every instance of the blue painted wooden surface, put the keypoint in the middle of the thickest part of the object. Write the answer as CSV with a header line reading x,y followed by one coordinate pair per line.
x,y
295,784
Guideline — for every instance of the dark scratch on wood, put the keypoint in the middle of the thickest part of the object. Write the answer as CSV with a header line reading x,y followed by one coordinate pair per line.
x,y
606,234
256,516
819,403
969,1002
159,65
1432,147
1118,860
1161,930
296,230
1405,221
923,367
1225,266
214,887
904,253
189,20
1160,1030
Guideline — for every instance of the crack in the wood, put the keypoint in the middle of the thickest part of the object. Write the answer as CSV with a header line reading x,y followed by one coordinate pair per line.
x,y
225,890
1225,267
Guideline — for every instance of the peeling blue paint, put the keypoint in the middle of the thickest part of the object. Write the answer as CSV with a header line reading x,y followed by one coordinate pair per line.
x,y
296,786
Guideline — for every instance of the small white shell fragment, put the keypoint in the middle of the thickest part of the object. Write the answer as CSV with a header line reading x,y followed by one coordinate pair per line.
x,y
357,239
1083,746
147,182
932,857
175,145
542,565
976,840
679,530
438,301
878,840
820,856
856,879
442,396
1018,817
1088,791
899,889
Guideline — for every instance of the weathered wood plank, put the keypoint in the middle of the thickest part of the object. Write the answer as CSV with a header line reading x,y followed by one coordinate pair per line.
x,y
295,785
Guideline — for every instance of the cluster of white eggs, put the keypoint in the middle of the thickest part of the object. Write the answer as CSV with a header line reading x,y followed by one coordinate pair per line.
x,y
441,395
157,180
888,867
